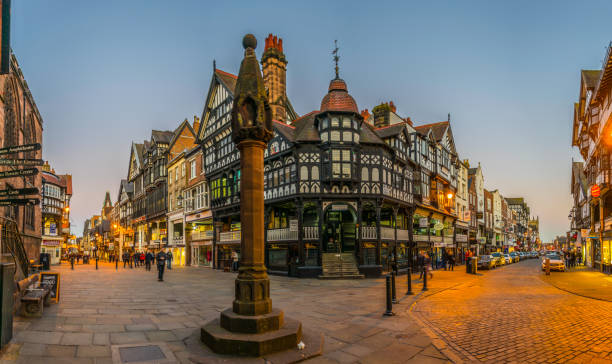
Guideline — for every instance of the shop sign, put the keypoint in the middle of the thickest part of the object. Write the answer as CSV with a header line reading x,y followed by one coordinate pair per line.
x,y
595,191
438,226
51,242
111,246
466,216
339,207
53,229
293,225
423,222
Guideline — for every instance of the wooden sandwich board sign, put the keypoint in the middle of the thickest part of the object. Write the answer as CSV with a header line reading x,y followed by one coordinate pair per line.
x,y
27,162
52,279
19,191
20,148
19,201
19,173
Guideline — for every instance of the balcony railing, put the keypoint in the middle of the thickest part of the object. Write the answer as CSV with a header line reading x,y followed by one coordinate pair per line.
x,y
368,232
229,236
201,235
282,235
402,234
311,233
387,233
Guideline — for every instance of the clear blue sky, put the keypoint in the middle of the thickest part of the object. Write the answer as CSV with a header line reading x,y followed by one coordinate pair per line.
x,y
104,73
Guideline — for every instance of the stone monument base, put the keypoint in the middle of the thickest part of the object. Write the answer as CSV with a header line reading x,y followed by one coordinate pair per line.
x,y
251,335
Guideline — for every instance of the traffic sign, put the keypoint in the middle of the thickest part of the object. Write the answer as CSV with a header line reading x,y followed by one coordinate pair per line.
x,y
20,148
19,201
19,173
21,162
19,191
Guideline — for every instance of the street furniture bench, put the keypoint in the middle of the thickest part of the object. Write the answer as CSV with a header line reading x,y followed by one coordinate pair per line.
x,y
36,296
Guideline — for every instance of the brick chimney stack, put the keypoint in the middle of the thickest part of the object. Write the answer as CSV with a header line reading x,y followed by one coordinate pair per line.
x,y
274,67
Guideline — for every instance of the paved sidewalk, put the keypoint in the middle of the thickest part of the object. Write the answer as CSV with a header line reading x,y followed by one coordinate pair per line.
x,y
582,281
102,308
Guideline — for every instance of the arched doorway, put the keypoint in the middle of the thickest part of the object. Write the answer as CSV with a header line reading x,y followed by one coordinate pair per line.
x,y
339,228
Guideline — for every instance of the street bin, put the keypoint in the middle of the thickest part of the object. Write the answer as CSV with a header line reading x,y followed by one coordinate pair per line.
x,y
474,264
7,281
468,266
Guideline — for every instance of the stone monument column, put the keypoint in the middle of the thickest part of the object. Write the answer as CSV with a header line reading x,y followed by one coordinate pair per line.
x,y
252,327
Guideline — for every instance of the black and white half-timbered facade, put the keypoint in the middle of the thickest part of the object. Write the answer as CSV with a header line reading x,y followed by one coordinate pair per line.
x,y
339,185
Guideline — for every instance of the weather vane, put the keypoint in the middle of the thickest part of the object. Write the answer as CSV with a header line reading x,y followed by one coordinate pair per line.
x,y
336,57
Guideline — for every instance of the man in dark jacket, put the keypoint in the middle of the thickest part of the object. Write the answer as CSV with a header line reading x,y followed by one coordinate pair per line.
x,y
161,264
148,259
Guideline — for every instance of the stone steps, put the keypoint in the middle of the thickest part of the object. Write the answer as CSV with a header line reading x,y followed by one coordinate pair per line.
x,y
339,266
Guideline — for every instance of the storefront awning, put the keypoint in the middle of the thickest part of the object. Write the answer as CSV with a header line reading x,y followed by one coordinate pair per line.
x,y
429,209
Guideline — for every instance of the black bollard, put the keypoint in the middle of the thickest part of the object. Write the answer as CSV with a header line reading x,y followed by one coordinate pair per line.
x,y
72,263
116,264
389,311
96,263
425,280
409,282
393,292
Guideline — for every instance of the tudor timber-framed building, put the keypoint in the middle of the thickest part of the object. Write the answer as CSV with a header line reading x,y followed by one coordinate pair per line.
x,y
336,180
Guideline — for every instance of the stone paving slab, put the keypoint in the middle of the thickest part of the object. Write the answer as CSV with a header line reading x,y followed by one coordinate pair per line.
x,y
101,308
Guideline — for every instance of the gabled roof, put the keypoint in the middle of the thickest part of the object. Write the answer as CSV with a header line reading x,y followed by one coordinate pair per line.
x,y
159,136
437,129
578,173
287,131
179,130
368,135
515,200
228,79
590,77
67,182
305,130
390,130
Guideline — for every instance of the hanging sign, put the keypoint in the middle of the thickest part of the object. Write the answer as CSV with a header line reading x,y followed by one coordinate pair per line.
x,y
19,191
595,191
293,225
19,173
20,148
423,222
438,226
21,162
19,201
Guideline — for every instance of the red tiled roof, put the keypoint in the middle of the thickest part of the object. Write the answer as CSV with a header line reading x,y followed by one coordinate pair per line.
x,y
338,98
228,79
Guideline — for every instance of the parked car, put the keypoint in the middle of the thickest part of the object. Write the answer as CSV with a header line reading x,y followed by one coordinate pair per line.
x,y
515,257
499,259
486,262
556,262
508,258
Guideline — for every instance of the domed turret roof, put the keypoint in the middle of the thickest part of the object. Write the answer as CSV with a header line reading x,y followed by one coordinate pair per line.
x,y
338,98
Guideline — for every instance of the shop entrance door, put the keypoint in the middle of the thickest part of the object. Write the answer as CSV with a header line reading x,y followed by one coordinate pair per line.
x,y
339,229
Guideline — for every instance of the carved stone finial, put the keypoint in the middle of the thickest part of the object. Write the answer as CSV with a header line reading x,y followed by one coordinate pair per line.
x,y
249,41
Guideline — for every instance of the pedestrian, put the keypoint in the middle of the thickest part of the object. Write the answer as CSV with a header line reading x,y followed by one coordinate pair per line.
x,y
161,264
451,262
421,264
148,259
234,261
169,258
426,269
432,258
142,258
123,257
579,257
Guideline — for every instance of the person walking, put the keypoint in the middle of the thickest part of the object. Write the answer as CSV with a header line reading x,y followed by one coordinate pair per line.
x,y
148,258
142,259
426,269
421,264
234,261
431,259
161,264
169,258
451,261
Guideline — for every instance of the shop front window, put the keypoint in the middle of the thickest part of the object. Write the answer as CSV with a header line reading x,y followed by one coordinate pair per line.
x,y
312,254
369,253
277,255
420,224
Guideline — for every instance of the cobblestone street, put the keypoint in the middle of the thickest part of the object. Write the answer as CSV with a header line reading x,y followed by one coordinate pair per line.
x,y
513,316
